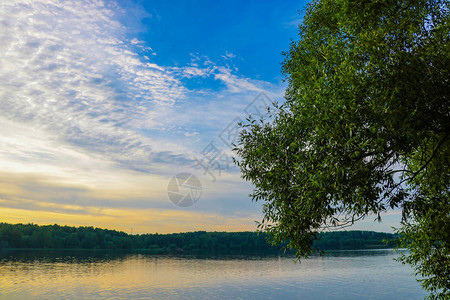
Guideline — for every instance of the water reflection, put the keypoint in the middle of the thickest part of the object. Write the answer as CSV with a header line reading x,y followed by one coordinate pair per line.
x,y
355,253
106,275
67,256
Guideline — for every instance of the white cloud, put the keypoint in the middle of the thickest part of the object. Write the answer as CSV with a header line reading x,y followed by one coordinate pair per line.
x,y
235,84
65,66
77,102
229,55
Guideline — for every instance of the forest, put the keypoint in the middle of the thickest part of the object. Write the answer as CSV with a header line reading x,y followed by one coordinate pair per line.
x,y
32,236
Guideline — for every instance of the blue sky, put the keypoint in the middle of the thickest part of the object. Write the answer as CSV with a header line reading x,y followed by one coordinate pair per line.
x,y
254,32
103,102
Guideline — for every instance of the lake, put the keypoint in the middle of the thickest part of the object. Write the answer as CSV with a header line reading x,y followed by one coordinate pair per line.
x,y
97,275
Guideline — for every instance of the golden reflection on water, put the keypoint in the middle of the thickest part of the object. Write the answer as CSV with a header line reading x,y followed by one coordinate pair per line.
x,y
146,277
133,272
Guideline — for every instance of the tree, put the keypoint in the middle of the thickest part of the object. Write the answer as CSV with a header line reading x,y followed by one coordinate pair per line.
x,y
364,128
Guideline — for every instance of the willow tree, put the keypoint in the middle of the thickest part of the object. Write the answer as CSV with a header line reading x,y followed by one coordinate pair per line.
x,y
364,129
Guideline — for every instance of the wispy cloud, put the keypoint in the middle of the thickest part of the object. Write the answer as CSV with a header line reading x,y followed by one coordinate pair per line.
x,y
87,117
229,55
66,67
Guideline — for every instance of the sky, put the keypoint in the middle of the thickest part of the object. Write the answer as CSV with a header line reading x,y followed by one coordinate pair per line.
x,y
103,103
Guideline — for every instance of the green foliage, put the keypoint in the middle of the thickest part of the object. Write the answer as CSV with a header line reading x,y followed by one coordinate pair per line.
x,y
364,129
354,240
200,242
428,239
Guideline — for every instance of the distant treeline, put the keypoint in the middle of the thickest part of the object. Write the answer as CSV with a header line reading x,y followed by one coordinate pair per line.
x,y
199,242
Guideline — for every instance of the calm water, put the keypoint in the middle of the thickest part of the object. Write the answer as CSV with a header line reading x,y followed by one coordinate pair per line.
x,y
340,275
